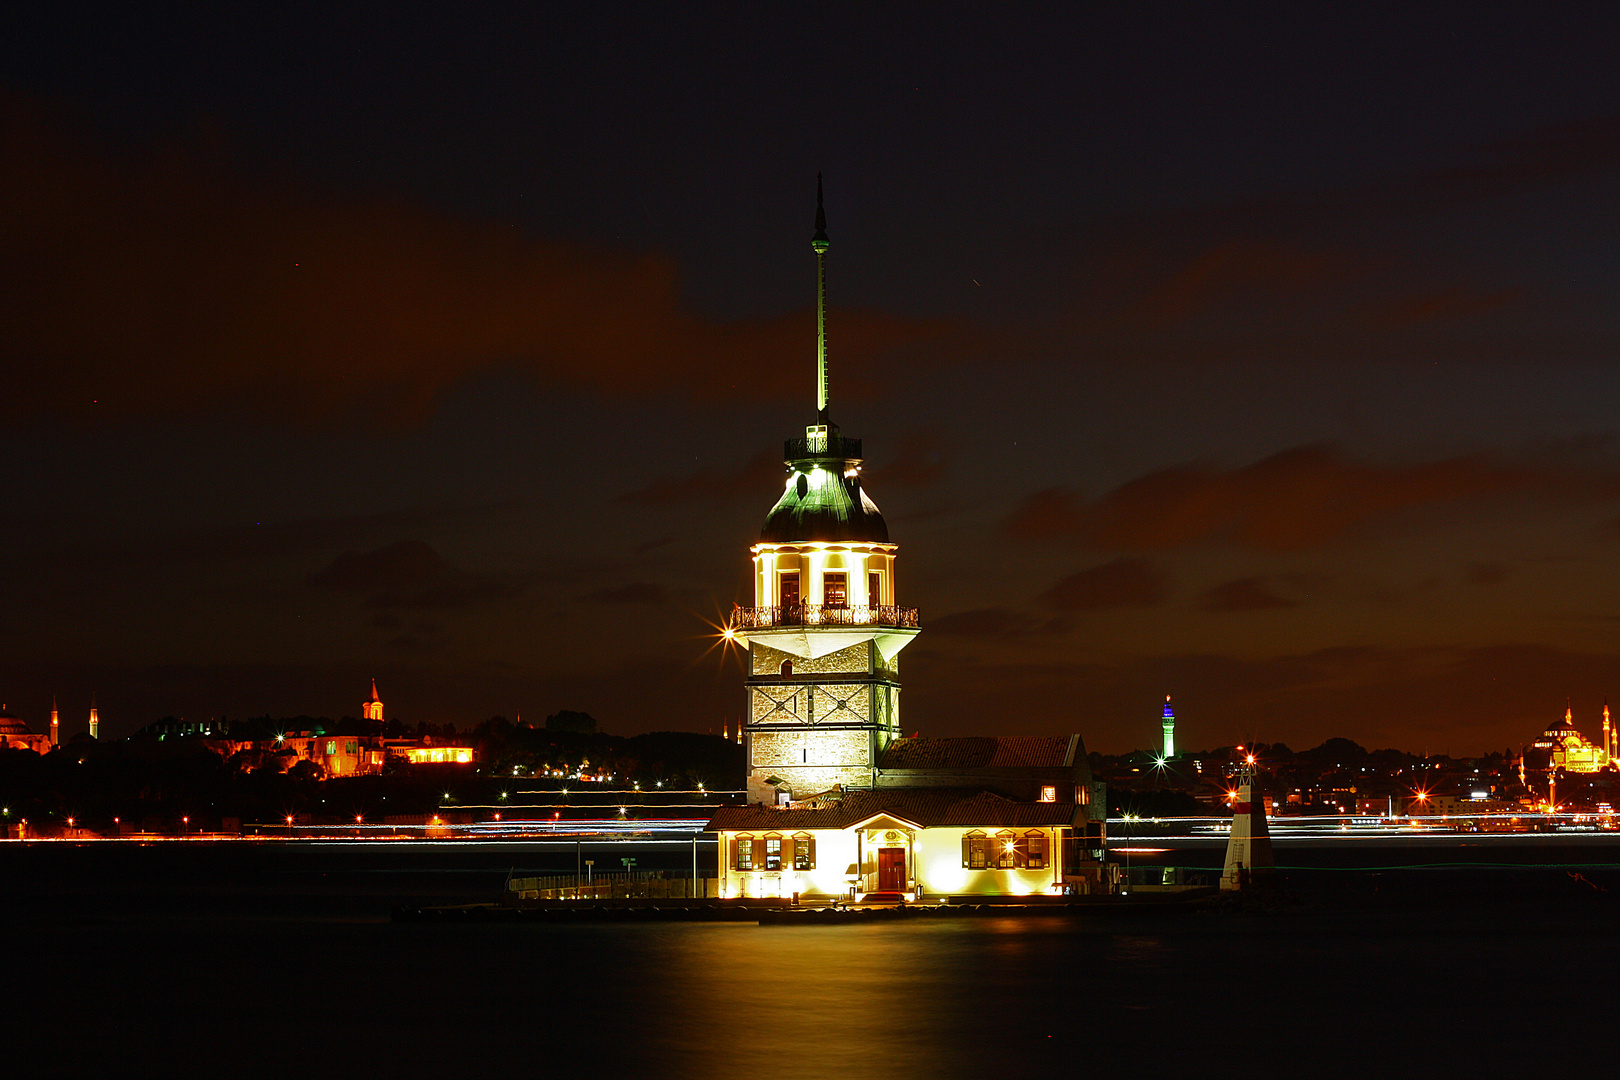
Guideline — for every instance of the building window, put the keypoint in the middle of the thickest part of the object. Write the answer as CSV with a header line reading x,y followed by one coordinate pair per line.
x,y
835,590
773,853
874,588
788,589
804,851
787,668
331,749
1033,850
976,851
1048,793
745,853
1006,851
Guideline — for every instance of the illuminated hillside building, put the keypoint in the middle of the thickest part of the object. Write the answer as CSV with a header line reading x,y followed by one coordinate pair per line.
x,y
17,735
1563,747
840,801
373,709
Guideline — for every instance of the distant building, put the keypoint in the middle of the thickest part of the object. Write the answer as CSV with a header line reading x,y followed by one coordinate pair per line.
x,y
1169,722
373,709
18,736
1562,746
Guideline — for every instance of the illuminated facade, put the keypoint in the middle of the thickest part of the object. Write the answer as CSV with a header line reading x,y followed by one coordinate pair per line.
x,y
1563,747
373,709
840,803
438,755
18,736
825,633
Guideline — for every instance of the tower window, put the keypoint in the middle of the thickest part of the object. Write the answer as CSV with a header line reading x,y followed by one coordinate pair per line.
x,y
874,589
788,589
787,668
835,589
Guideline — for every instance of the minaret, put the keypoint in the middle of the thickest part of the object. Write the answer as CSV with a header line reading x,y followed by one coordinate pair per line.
x,y
1608,734
95,721
1169,730
824,634
56,724
373,709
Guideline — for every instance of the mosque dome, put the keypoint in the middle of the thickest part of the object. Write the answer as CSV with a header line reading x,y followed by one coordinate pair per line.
x,y
10,724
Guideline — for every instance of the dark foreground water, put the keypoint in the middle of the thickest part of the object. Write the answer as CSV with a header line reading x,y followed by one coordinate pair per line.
x,y
246,960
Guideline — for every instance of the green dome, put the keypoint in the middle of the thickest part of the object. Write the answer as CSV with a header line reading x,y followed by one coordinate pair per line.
x,y
821,502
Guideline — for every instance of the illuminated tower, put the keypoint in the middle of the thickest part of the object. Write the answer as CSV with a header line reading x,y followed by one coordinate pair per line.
x,y
95,721
372,710
1169,730
824,634
56,724
1608,735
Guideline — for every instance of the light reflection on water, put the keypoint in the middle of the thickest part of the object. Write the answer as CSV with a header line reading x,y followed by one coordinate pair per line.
x,y
290,968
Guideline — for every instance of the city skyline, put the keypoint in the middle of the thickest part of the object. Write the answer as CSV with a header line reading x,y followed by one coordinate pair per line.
x,y
1264,361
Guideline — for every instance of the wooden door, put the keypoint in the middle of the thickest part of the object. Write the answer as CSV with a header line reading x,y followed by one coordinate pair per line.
x,y
891,869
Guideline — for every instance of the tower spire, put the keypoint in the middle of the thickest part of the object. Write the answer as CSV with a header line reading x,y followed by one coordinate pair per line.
x,y
56,724
819,244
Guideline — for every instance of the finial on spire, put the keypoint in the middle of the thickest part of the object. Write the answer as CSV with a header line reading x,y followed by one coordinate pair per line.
x,y
820,245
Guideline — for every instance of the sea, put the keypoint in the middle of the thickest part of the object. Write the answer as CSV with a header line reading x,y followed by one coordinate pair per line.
x,y
1449,956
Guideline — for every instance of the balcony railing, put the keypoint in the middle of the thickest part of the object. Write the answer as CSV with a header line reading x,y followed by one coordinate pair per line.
x,y
747,618
838,446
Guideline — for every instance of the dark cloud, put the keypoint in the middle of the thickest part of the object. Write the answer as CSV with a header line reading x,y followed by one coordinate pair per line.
x,y
405,565
1244,594
410,575
754,480
462,590
921,459
1488,573
1121,583
978,623
636,592
1298,499
170,283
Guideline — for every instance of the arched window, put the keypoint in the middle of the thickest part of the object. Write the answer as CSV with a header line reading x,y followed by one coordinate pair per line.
x,y
787,668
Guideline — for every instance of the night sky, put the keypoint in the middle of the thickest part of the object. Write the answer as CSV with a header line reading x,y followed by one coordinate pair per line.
x,y
1262,355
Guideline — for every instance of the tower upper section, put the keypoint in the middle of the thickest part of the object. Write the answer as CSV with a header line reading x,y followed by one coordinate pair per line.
x,y
822,499
823,556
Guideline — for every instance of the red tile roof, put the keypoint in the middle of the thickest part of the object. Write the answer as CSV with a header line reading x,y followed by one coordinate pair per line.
x,y
928,807
979,752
